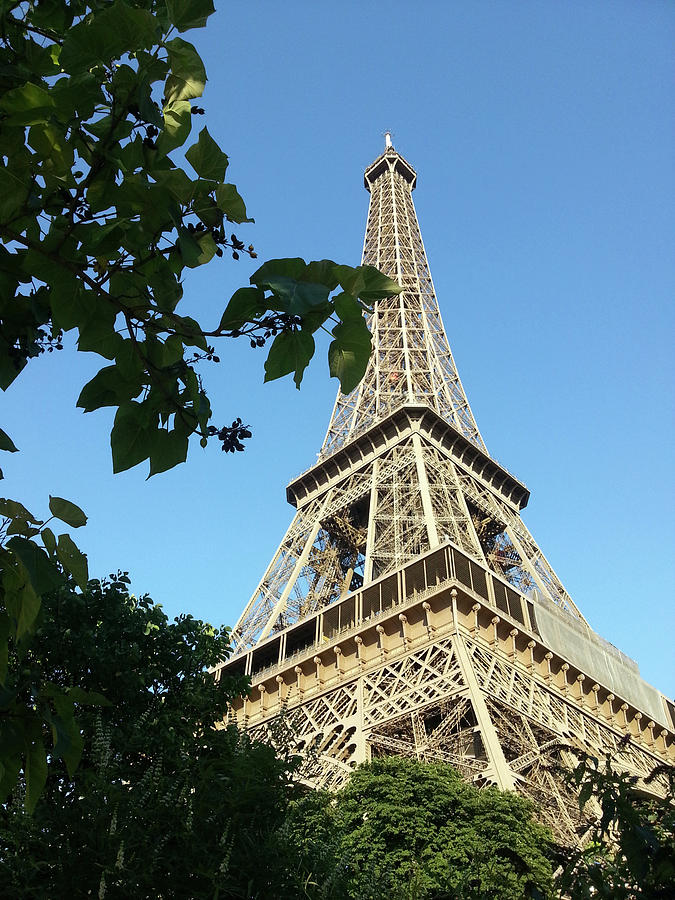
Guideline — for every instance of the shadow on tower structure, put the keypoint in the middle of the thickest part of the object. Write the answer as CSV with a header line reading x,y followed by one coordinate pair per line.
x,y
408,610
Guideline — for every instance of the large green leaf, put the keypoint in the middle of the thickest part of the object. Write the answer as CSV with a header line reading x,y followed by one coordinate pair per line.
x,y
349,353
231,203
188,75
52,145
187,14
244,305
66,511
189,248
109,387
177,126
107,35
42,573
6,443
73,560
13,193
132,435
206,157
12,509
36,775
28,607
291,351
367,282
322,271
347,307
26,105
299,296
291,268
169,448
97,328
68,742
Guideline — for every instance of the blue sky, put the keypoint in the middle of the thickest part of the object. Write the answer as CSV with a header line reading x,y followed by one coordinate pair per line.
x,y
543,140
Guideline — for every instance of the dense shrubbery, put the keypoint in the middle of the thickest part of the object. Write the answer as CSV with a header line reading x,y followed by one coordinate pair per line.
x,y
165,804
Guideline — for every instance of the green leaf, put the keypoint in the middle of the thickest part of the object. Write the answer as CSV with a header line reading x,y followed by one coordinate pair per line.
x,y
177,183
245,305
231,203
188,75
177,126
87,698
52,145
132,436
6,443
23,605
291,351
349,353
291,268
208,249
20,526
347,307
97,329
300,296
109,387
68,742
187,14
107,35
189,248
322,271
42,573
66,511
12,509
169,448
4,646
585,794
36,775
128,360
70,302
48,540
189,331
366,282
206,157
13,194
73,560
27,105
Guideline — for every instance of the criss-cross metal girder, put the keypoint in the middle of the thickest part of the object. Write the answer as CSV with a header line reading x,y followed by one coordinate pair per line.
x,y
411,361
403,466
408,610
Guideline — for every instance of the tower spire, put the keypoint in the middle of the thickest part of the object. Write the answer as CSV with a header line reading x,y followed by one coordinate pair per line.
x,y
411,363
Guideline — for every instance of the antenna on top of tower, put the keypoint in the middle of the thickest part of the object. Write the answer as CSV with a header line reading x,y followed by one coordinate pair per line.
x,y
387,140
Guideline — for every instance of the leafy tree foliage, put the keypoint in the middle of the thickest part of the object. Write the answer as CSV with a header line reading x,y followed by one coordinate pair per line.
x,y
28,700
100,225
407,829
163,803
630,852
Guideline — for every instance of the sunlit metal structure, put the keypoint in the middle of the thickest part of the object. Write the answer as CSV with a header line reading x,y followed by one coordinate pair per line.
x,y
408,609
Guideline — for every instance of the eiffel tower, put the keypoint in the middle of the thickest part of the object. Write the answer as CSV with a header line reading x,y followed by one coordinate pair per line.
x,y
408,610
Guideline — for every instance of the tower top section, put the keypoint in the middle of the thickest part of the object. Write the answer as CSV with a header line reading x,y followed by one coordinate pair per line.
x,y
411,364
389,161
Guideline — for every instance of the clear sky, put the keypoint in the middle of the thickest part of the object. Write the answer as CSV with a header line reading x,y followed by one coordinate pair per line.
x,y
543,139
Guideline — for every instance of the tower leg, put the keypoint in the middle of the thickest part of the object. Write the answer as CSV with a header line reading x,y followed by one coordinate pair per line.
x,y
498,769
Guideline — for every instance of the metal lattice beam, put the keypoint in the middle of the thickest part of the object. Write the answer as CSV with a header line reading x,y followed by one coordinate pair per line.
x,y
405,609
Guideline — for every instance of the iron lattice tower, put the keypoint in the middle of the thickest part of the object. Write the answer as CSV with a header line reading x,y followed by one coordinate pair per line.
x,y
408,609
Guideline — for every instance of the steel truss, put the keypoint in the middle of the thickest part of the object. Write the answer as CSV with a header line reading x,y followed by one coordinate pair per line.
x,y
400,612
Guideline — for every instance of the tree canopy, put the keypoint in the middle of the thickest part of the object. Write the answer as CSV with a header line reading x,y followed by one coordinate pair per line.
x,y
402,828
163,802
107,201
105,206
